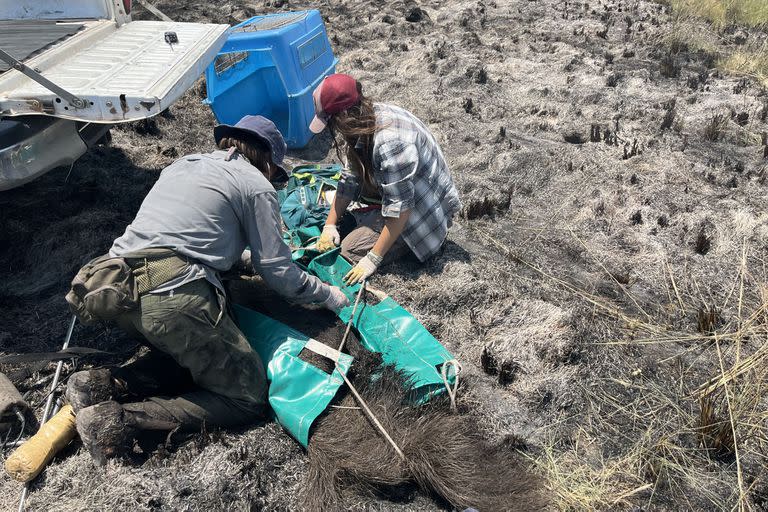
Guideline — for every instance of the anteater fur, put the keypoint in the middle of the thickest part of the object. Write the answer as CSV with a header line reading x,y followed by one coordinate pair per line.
x,y
446,457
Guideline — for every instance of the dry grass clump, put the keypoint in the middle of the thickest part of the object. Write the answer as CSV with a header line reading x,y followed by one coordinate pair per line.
x,y
687,427
722,18
724,13
713,131
752,61
709,438
582,485
660,441
702,437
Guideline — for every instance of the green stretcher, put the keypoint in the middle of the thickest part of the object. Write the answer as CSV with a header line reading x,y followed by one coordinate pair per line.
x,y
298,391
389,329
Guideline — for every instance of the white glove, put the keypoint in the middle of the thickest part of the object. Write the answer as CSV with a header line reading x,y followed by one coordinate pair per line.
x,y
364,269
336,299
245,264
328,239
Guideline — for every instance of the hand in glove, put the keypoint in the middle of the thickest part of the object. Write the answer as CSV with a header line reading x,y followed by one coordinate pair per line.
x,y
245,263
336,300
364,269
328,239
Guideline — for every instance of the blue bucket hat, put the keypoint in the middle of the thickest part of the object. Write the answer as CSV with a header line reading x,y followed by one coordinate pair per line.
x,y
259,129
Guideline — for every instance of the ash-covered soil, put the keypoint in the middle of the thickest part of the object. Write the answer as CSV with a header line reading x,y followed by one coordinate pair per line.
x,y
611,258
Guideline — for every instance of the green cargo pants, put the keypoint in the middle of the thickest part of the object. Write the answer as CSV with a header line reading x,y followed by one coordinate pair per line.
x,y
188,325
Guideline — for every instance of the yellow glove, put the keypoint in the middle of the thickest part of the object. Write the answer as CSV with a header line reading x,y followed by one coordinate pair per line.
x,y
364,269
328,239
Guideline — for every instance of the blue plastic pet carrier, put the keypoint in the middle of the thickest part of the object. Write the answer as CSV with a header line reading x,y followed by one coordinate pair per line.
x,y
269,66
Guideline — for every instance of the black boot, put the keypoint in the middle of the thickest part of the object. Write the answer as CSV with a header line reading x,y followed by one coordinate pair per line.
x,y
90,387
104,431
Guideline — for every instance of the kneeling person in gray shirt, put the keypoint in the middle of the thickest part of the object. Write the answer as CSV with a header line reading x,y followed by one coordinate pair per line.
x,y
196,222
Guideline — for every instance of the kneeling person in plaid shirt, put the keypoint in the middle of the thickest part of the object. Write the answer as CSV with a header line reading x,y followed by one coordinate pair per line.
x,y
396,173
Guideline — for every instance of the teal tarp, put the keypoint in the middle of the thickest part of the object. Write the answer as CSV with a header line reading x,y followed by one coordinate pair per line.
x,y
298,391
389,329
303,205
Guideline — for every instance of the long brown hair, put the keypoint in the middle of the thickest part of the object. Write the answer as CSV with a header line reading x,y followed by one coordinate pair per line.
x,y
353,125
259,156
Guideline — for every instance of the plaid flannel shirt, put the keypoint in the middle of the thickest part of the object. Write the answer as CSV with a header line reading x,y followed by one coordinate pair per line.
x,y
411,174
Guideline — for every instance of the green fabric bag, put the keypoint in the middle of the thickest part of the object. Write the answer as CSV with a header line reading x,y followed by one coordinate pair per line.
x,y
298,391
300,201
386,328
300,207
389,329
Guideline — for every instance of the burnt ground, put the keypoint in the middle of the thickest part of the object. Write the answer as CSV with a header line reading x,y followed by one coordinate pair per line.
x,y
610,260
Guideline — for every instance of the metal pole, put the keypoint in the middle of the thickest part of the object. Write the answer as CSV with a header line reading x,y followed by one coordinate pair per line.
x,y
352,317
37,77
55,382
49,402
367,410
154,10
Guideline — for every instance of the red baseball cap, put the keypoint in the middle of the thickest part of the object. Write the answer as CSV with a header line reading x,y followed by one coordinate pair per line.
x,y
335,93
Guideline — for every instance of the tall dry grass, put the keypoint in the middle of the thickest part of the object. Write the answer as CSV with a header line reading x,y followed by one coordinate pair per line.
x,y
701,25
752,61
696,434
724,13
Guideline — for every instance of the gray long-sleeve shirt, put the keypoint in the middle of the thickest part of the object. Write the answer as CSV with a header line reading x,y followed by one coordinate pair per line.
x,y
209,209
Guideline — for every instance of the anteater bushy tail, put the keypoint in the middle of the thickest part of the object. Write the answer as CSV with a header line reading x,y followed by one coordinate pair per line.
x,y
445,455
